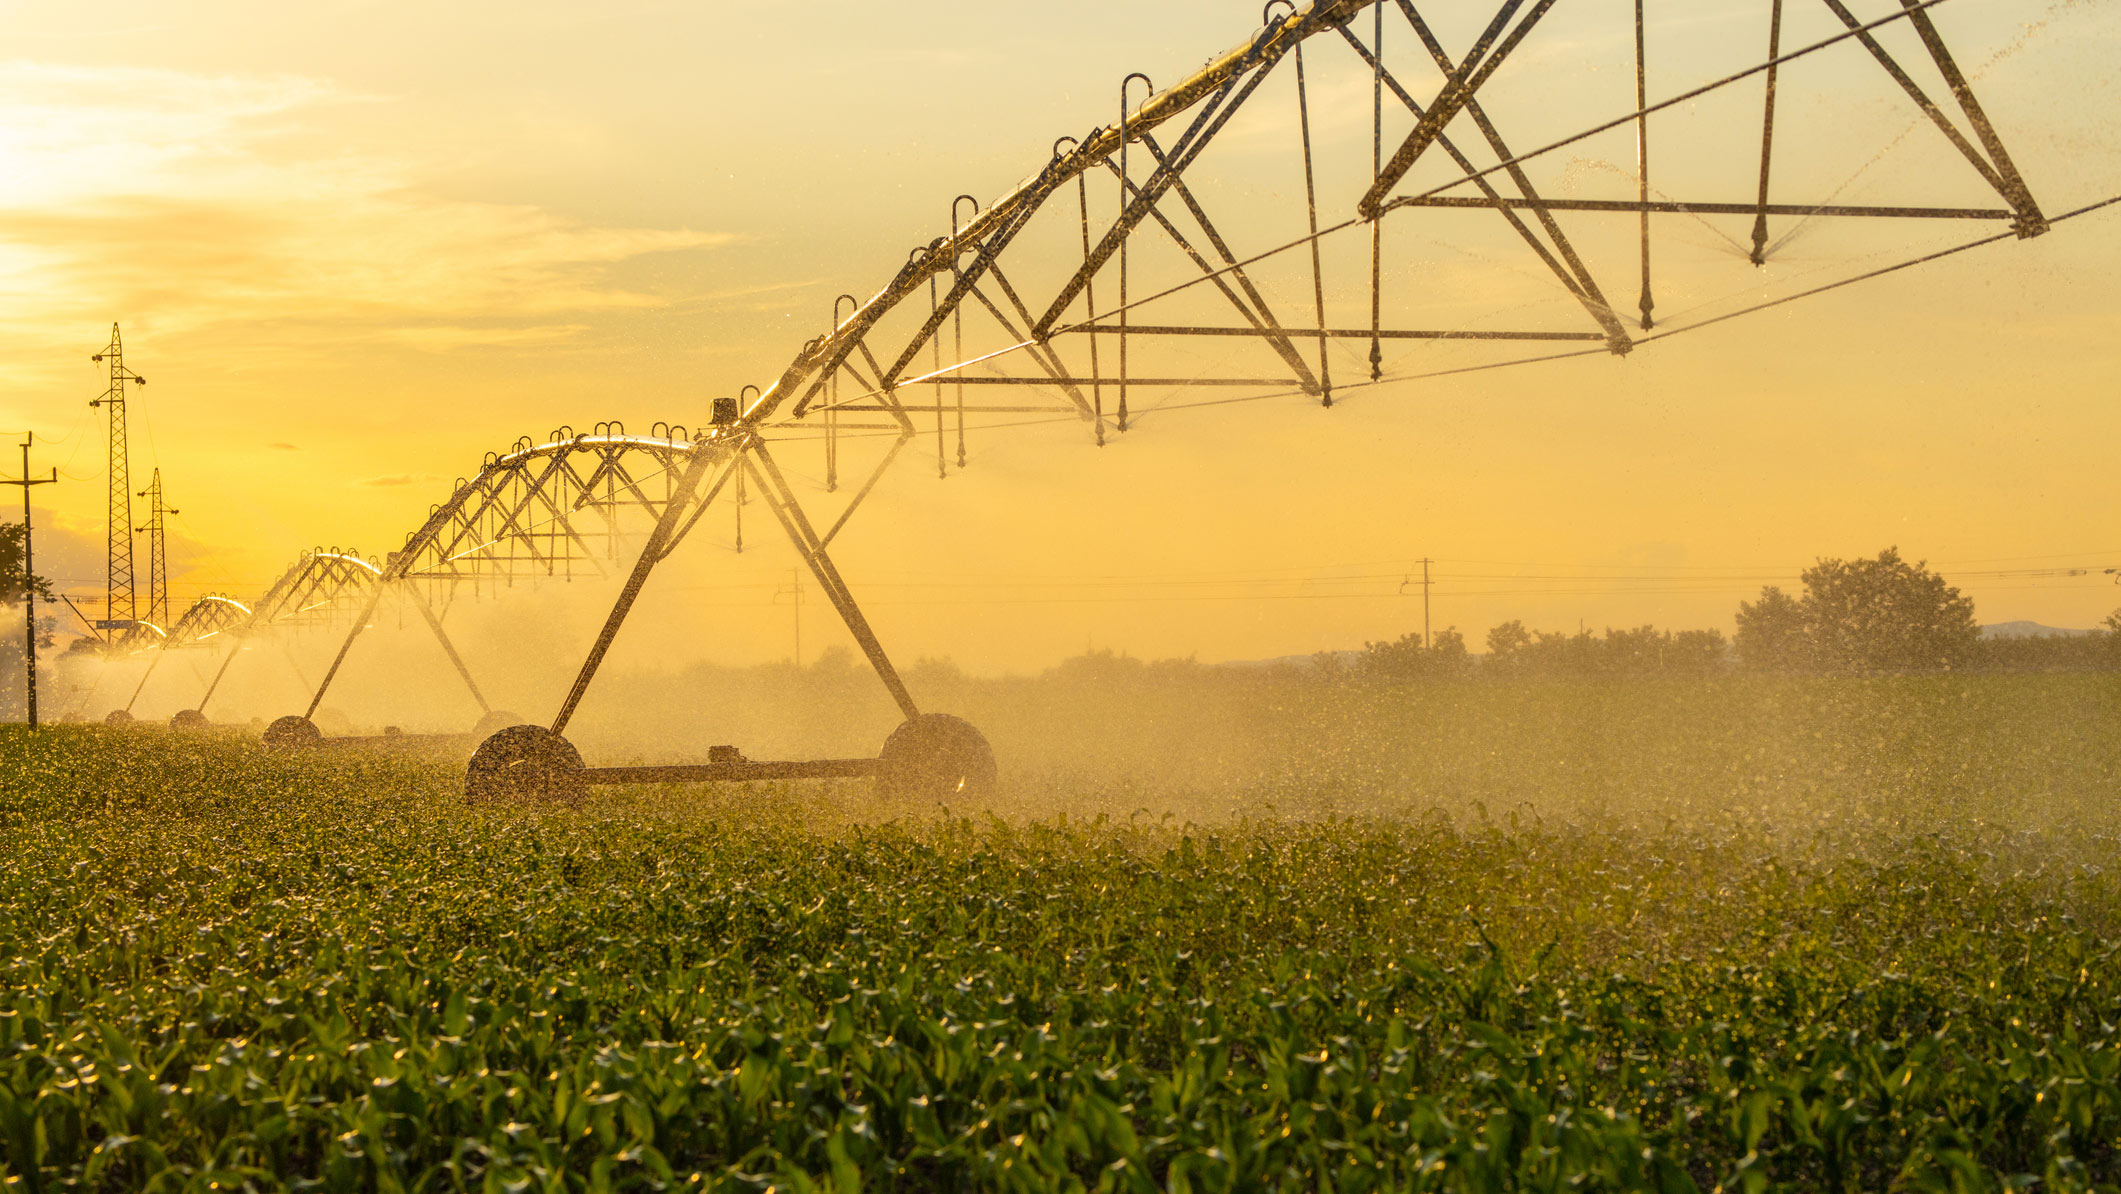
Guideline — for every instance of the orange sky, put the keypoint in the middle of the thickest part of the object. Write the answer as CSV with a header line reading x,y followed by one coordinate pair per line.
x,y
355,246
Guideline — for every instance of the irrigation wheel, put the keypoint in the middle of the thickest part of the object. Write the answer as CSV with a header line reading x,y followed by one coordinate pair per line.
x,y
118,717
293,730
188,719
525,764
496,719
936,757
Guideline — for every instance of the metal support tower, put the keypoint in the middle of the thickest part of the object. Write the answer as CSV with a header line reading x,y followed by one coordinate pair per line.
x,y
120,606
157,554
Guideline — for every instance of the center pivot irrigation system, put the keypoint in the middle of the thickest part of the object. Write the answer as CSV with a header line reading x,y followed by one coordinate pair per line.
x,y
1100,291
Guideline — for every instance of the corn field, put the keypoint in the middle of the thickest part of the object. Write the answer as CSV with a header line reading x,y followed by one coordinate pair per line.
x,y
222,967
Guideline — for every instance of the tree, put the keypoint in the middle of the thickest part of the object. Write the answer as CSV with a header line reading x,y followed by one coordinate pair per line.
x,y
1887,614
1648,649
1639,650
12,581
1697,651
1506,641
1772,632
1406,658
1861,615
1644,650
1563,654
1448,651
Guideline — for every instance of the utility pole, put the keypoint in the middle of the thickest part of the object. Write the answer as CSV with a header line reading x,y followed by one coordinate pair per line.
x,y
120,609
29,582
1426,641
157,554
1404,585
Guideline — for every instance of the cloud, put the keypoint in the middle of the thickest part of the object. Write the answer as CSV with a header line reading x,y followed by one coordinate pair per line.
x,y
207,200
284,447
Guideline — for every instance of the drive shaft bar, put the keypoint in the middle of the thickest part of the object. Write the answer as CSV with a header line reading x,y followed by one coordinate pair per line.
x,y
697,773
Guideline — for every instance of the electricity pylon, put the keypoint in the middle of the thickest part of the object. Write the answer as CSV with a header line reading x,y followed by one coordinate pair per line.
x,y
120,607
157,554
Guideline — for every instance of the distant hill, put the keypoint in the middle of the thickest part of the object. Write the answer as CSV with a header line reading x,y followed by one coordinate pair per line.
x,y
2030,630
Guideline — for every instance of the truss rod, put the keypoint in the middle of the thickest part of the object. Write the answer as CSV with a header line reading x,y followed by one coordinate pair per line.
x,y
235,648
699,511
1097,392
1146,200
1479,64
153,662
368,613
1043,354
1318,276
781,499
1570,281
1594,298
1681,208
2014,188
1881,271
1377,158
1644,302
427,613
1922,100
1259,314
1205,126
1767,135
1673,101
1366,333
833,531
1019,346
973,410
651,553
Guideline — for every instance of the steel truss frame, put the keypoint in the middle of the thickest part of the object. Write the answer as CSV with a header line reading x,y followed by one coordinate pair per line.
x,y
971,259
317,590
540,510
551,509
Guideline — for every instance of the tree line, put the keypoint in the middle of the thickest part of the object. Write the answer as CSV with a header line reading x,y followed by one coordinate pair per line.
x,y
1865,615
1854,616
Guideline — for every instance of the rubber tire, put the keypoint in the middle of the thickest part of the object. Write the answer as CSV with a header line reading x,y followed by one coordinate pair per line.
x,y
936,757
293,730
118,717
188,719
497,719
525,764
